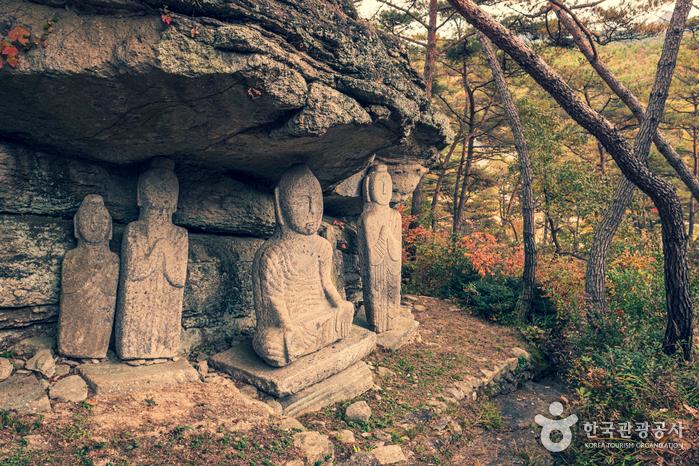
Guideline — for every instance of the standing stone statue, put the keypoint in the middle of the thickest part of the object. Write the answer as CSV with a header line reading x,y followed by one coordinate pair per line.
x,y
379,233
298,308
154,268
89,280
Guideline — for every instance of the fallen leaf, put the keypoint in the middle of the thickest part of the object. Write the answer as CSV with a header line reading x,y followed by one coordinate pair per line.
x,y
694,412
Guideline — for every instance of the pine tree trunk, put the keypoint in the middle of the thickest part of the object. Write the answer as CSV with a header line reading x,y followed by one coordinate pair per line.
x,y
431,49
524,306
595,293
428,76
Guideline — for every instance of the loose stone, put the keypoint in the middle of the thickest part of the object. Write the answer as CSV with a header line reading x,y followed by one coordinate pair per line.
x,y
358,411
6,368
344,436
389,454
72,388
18,363
290,423
43,363
61,370
203,367
315,446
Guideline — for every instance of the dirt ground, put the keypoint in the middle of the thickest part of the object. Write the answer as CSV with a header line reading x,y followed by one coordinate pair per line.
x,y
214,423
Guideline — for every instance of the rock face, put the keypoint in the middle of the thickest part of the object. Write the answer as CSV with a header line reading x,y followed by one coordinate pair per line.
x,y
298,307
235,93
89,279
256,85
154,271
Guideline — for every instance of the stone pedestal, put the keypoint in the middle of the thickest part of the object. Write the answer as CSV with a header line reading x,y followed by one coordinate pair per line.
x,y
404,332
334,373
114,378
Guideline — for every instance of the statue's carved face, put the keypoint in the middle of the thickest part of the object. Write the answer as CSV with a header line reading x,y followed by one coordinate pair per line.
x,y
158,189
94,223
381,188
300,201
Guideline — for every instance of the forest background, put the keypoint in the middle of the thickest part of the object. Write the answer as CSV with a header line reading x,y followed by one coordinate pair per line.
x,y
465,230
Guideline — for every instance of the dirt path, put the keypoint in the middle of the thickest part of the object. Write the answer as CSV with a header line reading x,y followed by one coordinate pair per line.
x,y
414,405
514,439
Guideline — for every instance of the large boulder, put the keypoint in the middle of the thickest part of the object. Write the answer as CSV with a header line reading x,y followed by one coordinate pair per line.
x,y
249,86
234,92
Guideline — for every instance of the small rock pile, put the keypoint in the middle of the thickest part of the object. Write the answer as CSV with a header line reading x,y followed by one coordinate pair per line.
x,y
34,375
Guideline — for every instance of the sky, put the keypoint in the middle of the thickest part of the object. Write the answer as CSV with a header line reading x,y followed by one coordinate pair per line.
x,y
369,7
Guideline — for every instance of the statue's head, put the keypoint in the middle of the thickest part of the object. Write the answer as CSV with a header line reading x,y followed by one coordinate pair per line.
x,y
299,201
378,186
92,222
158,187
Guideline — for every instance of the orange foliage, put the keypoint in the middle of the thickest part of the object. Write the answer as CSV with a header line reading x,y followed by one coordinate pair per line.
x,y
489,257
562,280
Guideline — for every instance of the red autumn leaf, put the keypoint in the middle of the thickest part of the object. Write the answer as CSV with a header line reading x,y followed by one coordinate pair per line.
x,y
167,19
12,61
10,51
195,31
19,34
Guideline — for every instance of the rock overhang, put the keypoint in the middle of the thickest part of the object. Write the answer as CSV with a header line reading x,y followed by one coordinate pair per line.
x,y
250,87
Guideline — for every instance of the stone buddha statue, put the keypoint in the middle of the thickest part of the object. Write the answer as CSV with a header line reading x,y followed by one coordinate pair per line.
x,y
154,268
379,235
298,308
89,278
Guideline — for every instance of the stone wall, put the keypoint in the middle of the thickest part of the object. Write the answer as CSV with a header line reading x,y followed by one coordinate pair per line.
x,y
227,220
39,194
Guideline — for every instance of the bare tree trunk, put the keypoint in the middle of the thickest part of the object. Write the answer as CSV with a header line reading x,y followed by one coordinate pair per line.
x,y
678,335
416,204
695,165
459,211
440,180
468,148
524,305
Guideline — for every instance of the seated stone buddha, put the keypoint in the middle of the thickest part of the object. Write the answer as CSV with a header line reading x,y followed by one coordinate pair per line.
x,y
298,308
